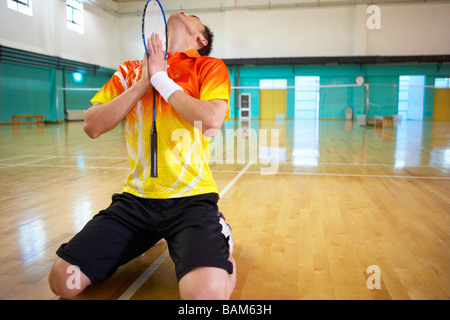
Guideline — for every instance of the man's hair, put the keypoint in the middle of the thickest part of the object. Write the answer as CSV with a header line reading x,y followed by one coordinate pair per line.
x,y
209,36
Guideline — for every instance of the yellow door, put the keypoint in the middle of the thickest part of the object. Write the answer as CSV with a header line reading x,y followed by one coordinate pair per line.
x,y
441,107
271,103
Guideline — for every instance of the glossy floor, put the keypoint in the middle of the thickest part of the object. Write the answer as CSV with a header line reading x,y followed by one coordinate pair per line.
x,y
312,204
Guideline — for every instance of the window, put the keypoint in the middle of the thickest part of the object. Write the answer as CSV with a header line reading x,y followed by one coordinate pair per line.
x,y
307,97
442,83
23,6
75,15
273,84
411,92
403,90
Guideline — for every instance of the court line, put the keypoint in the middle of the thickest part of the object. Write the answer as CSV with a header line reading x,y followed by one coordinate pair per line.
x,y
56,156
44,158
94,157
23,164
15,158
353,175
235,171
69,166
232,182
137,284
368,164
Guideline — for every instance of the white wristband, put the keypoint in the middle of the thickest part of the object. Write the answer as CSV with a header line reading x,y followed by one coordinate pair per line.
x,y
164,85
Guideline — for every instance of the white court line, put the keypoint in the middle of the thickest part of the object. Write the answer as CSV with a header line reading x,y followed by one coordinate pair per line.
x,y
353,175
137,284
15,158
144,276
74,166
23,164
43,158
232,182
367,164
27,164
92,157
281,162
56,156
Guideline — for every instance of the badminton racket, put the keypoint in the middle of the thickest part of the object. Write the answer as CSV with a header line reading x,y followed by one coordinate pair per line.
x,y
154,21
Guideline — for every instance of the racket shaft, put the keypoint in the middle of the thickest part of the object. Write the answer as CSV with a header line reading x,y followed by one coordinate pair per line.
x,y
154,152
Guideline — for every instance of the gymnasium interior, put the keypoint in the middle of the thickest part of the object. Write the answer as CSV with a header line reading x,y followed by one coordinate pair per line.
x,y
333,169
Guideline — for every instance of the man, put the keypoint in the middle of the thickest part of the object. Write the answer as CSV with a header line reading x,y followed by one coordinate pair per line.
x,y
181,204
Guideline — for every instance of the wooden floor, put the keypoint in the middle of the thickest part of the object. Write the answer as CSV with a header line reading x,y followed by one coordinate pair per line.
x,y
344,197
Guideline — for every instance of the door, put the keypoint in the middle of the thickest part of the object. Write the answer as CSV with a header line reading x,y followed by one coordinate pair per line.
x,y
272,104
441,105
272,99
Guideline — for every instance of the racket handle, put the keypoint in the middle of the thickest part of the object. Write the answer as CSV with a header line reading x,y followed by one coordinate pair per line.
x,y
154,153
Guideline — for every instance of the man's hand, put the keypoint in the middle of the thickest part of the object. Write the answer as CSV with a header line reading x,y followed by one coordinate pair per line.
x,y
145,80
156,60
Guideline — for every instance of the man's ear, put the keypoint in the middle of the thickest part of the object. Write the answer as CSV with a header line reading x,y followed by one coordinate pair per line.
x,y
202,42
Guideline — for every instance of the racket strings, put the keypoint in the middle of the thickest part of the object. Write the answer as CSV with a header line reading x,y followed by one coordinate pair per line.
x,y
154,22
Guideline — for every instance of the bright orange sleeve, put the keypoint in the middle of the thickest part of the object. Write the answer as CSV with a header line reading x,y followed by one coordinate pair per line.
x,y
115,86
215,83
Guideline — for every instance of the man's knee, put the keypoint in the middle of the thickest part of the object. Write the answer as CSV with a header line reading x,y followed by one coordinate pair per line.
x,y
212,290
66,280
207,284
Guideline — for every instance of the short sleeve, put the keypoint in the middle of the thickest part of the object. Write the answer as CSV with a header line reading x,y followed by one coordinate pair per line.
x,y
115,86
215,82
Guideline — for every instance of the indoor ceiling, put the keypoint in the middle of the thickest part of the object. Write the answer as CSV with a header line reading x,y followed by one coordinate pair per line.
x,y
239,3
122,7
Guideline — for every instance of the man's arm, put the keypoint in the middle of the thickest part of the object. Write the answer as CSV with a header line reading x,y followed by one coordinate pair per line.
x,y
101,118
210,114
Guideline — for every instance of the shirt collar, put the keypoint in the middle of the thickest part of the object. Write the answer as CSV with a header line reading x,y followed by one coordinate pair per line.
x,y
190,54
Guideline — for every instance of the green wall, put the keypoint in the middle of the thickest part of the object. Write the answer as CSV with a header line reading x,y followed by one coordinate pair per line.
x,y
29,85
27,88
333,102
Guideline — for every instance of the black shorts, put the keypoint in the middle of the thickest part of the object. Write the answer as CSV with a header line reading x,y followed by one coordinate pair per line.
x,y
132,225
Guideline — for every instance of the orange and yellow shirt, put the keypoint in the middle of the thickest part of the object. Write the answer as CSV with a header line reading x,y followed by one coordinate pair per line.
x,y
183,150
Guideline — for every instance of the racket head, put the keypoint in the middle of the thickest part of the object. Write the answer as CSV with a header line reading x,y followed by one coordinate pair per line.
x,y
154,21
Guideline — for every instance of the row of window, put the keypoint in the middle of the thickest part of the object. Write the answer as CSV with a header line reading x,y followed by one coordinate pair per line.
x,y
313,82
74,12
411,91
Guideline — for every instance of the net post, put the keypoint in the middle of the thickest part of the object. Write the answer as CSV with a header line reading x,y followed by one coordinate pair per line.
x,y
57,104
367,101
63,89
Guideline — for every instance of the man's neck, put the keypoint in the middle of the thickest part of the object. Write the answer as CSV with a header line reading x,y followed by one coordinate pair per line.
x,y
180,44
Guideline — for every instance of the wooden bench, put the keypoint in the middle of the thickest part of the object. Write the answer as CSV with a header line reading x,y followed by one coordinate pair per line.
x,y
384,122
15,120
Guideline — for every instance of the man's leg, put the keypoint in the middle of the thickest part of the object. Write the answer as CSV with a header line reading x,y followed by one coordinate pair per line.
x,y
112,238
206,283
210,283
60,280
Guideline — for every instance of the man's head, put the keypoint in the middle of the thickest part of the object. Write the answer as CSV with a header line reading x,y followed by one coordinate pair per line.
x,y
191,27
209,36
